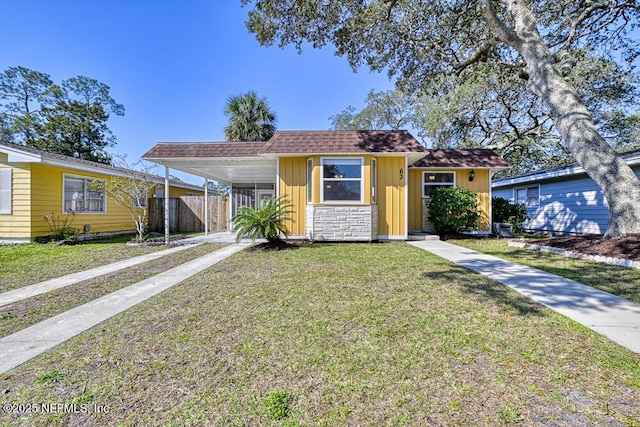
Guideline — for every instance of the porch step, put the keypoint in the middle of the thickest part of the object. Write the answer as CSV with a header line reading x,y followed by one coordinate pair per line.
x,y
423,236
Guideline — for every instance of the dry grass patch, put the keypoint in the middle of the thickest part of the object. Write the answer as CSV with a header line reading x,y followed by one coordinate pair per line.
x,y
330,335
21,314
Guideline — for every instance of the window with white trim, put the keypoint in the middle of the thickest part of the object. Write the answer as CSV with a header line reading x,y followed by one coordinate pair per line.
x,y
342,180
528,196
79,197
5,190
432,180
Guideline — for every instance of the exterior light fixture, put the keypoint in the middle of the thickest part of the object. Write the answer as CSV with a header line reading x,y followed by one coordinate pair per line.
x,y
472,175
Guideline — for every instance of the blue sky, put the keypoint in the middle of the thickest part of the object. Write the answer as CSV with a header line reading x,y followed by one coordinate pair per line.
x,y
173,64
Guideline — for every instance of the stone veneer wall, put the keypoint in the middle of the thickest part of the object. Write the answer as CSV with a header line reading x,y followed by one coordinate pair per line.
x,y
342,223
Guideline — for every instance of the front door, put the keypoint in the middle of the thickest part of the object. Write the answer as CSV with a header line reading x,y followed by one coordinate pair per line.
x,y
431,181
263,194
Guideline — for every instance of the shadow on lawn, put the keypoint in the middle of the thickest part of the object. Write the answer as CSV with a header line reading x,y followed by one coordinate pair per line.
x,y
485,290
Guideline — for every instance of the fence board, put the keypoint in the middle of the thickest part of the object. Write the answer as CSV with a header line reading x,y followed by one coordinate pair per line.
x,y
186,214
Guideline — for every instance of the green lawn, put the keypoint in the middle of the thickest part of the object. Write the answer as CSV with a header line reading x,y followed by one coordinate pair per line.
x,y
29,263
332,335
621,281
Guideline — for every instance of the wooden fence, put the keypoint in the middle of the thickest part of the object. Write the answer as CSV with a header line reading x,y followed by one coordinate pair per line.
x,y
186,214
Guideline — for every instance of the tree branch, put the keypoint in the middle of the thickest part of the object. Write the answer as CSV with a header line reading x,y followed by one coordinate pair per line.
x,y
476,56
501,31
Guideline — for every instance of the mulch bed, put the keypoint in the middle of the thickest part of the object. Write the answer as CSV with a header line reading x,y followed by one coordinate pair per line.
x,y
627,247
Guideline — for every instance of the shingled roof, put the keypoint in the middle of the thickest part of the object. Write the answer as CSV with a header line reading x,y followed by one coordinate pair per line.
x,y
342,142
467,158
204,149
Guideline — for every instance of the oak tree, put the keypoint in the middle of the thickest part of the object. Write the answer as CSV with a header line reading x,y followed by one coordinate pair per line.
x,y
420,41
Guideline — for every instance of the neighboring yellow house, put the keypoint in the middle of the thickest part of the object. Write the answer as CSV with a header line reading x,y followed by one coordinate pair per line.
x,y
34,183
344,185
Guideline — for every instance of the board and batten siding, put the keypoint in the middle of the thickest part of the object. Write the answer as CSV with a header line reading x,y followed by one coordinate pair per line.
x,y
17,224
480,185
292,184
391,200
569,205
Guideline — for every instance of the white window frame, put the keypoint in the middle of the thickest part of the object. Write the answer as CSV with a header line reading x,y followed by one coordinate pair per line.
x,y
527,203
324,160
6,183
426,182
87,180
374,181
309,181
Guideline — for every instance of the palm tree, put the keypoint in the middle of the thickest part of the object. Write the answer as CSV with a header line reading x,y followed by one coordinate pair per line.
x,y
250,118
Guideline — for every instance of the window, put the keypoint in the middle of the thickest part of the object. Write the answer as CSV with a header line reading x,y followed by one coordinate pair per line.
x,y
374,180
5,190
529,196
431,180
342,180
309,181
79,197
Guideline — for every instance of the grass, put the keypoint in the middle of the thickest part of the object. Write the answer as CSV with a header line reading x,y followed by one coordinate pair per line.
x,y
29,263
621,281
19,315
333,335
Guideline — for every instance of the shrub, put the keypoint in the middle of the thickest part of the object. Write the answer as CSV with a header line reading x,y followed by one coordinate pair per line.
x,y
453,210
512,213
60,227
267,221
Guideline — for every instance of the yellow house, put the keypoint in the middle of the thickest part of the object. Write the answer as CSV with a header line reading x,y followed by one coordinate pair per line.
x,y
344,185
35,183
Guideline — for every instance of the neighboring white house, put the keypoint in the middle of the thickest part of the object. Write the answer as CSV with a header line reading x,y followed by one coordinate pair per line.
x,y
562,200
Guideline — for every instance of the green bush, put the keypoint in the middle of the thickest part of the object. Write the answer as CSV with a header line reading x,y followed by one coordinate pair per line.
x,y
453,210
504,211
267,221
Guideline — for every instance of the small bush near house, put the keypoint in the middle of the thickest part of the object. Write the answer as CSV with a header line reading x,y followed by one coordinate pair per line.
x,y
267,221
60,227
504,211
453,210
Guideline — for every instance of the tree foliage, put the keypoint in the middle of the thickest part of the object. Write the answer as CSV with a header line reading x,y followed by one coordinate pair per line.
x,y
427,44
70,118
453,210
513,213
250,118
494,110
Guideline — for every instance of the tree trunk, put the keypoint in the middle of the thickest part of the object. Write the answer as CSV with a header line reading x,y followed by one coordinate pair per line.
x,y
573,120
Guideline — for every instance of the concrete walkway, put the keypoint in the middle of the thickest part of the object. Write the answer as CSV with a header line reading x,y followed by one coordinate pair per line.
x,y
25,292
28,343
607,314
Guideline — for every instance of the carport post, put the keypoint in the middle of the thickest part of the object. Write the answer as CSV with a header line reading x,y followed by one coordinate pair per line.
x,y
206,207
166,205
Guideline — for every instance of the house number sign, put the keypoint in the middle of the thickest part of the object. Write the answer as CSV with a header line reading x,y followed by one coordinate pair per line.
x,y
401,174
